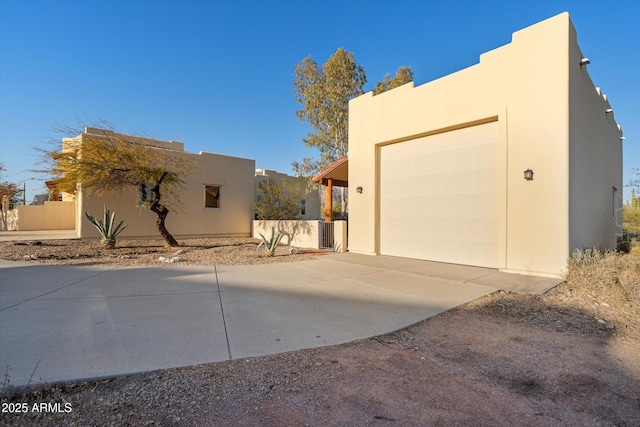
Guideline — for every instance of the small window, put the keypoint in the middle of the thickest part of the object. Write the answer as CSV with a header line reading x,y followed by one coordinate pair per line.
x,y
144,194
303,207
211,196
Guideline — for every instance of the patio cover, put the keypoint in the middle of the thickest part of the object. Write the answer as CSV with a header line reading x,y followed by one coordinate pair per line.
x,y
336,174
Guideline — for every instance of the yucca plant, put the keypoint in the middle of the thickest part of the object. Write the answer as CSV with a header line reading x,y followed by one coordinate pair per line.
x,y
106,229
271,244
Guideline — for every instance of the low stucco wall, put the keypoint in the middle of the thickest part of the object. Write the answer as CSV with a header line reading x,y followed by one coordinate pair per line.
x,y
340,236
9,220
50,216
302,233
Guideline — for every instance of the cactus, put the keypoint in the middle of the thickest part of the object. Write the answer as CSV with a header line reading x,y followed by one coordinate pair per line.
x,y
271,244
105,227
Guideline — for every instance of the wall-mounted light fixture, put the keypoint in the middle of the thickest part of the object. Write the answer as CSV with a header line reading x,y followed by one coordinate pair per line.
x,y
608,111
584,61
528,175
622,138
359,190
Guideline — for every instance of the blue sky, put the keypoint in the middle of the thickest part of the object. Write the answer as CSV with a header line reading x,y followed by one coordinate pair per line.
x,y
217,75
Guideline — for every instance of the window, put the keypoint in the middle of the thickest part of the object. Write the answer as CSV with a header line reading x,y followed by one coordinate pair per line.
x,y
144,194
211,196
303,207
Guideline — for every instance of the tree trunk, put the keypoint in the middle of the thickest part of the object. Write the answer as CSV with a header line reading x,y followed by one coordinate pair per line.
x,y
162,213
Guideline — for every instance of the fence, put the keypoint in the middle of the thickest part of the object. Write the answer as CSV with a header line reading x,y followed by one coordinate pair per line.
x,y
327,241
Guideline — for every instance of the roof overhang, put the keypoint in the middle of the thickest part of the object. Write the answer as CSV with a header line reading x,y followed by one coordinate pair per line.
x,y
337,172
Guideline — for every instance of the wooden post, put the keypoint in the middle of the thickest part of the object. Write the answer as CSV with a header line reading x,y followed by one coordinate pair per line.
x,y
328,201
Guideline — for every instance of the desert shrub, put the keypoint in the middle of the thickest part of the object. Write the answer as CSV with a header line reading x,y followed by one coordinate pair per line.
x,y
607,273
625,241
278,202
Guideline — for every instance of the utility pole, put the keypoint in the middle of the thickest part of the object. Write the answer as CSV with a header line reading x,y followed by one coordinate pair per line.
x,y
24,193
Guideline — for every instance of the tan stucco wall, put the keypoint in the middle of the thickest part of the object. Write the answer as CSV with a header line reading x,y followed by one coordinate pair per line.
x,y
302,233
340,235
595,151
50,216
525,87
189,218
312,197
9,220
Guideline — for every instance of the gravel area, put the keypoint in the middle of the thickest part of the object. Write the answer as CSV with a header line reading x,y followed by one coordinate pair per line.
x,y
569,357
209,251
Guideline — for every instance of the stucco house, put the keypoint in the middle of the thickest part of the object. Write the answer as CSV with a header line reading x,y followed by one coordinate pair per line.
x,y
217,197
511,163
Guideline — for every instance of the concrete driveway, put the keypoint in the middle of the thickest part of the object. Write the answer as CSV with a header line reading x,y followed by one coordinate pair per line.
x,y
62,323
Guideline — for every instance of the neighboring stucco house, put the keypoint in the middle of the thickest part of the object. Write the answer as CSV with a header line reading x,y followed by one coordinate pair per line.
x,y
310,207
441,167
217,199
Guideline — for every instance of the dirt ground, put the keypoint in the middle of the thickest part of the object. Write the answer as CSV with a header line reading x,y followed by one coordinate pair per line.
x,y
570,357
213,251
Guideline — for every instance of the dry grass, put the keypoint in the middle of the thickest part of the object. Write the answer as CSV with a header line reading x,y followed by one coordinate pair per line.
x,y
606,273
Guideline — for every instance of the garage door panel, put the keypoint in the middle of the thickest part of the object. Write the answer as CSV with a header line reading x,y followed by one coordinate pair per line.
x,y
447,162
447,206
458,229
428,181
444,250
439,196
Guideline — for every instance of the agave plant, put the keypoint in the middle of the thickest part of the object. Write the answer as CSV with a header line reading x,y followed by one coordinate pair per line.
x,y
106,229
271,244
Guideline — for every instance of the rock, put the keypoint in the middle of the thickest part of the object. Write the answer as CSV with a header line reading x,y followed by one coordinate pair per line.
x,y
178,252
604,304
163,259
602,322
125,256
293,251
175,259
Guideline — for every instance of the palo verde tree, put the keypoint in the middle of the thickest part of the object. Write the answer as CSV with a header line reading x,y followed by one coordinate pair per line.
x,y
103,161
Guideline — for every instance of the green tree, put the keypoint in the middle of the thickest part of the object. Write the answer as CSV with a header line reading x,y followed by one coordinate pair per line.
x,y
324,94
277,202
107,161
403,75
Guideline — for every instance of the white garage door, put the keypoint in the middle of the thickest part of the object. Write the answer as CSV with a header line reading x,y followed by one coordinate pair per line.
x,y
439,197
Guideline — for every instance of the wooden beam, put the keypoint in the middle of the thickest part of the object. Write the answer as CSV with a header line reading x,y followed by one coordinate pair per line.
x,y
336,182
328,201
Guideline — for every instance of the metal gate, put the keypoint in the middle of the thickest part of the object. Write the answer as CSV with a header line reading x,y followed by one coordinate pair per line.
x,y
327,241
